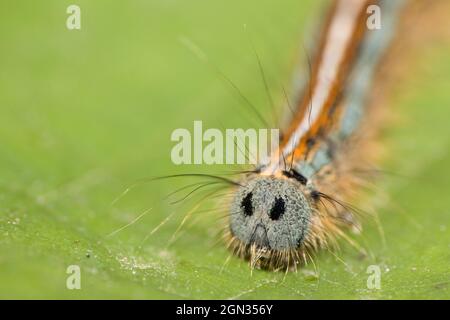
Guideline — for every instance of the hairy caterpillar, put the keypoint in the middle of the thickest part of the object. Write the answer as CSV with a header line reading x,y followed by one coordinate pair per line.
x,y
297,202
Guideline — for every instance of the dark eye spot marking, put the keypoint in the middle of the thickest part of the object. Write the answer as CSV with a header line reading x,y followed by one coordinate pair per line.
x,y
296,175
246,204
315,195
278,209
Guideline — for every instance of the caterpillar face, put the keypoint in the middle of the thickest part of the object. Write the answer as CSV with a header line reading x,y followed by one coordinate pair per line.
x,y
270,213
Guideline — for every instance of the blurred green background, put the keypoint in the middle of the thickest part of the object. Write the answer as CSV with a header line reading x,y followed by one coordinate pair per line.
x,y
85,113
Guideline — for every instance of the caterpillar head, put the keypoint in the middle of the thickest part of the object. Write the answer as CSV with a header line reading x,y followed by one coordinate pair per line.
x,y
270,213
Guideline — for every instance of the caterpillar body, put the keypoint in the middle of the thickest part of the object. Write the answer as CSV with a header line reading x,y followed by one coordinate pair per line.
x,y
297,202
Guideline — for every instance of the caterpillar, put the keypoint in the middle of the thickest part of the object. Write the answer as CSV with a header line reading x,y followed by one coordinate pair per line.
x,y
298,201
